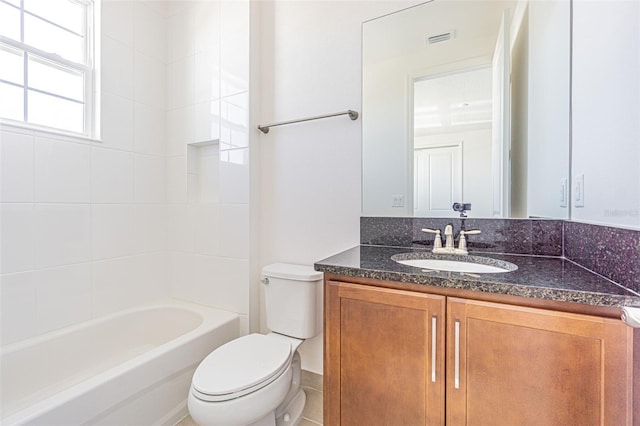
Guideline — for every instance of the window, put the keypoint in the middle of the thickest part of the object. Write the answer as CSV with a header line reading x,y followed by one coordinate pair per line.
x,y
46,52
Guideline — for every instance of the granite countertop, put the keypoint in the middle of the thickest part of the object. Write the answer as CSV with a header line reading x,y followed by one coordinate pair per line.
x,y
541,277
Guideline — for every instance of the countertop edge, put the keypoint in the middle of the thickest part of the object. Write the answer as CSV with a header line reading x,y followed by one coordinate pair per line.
x,y
531,290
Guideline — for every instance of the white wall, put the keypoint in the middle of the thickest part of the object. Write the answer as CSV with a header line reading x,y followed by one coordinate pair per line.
x,y
310,172
548,121
606,106
83,222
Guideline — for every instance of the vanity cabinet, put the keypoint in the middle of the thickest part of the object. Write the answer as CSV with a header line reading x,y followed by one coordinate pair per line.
x,y
399,357
384,356
512,365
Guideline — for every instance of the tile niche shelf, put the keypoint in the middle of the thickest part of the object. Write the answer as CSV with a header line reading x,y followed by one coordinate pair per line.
x,y
203,172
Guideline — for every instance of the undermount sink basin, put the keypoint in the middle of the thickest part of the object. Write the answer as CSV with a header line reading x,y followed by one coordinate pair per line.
x,y
468,264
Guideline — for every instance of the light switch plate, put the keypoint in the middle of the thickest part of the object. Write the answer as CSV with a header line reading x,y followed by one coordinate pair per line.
x,y
397,201
564,192
579,190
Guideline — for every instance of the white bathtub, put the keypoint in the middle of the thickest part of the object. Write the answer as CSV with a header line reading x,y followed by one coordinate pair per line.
x,y
130,368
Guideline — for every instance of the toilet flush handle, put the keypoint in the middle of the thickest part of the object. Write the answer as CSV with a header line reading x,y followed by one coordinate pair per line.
x,y
265,281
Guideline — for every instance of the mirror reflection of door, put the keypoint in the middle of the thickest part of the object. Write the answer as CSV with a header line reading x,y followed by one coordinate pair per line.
x,y
454,106
437,172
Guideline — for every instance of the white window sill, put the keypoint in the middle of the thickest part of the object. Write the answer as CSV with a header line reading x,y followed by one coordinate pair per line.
x,y
31,129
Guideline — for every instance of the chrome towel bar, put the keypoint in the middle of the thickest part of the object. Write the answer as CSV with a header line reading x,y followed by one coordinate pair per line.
x,y
353,115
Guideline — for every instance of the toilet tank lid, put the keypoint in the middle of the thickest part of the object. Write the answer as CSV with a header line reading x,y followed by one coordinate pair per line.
x,y
290,271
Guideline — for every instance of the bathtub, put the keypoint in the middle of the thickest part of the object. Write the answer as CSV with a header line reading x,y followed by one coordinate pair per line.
x,y
133,367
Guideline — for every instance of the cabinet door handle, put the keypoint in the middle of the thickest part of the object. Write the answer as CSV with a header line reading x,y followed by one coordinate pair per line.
x,y
434,330
456,365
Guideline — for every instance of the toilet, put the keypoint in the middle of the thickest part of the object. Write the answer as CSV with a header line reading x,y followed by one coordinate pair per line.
x,y
255,379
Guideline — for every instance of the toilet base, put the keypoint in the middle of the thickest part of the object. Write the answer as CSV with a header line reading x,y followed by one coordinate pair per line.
x,y
293,413
290,415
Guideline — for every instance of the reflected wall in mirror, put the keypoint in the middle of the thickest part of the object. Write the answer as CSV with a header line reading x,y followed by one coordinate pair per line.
x,y
467,101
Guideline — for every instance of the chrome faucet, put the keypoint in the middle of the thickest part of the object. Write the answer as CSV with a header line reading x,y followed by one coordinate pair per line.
x,y
449,246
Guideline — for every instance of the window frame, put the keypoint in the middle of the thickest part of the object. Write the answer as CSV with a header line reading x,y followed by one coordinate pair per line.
x,y
87,69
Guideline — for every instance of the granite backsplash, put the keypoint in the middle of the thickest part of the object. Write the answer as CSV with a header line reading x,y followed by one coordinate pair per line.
x,y
611,252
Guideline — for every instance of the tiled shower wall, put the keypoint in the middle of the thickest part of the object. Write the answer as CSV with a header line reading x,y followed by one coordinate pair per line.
x,y
84,222
91,227
208,153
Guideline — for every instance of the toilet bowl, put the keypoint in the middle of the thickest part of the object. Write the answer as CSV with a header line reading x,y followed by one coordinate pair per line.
x,y
244,381
255,379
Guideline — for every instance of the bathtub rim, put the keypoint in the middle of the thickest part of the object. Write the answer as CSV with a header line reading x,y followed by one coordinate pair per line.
x,y
209,315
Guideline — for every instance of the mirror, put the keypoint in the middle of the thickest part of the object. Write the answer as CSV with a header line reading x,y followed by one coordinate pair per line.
x,y
467,101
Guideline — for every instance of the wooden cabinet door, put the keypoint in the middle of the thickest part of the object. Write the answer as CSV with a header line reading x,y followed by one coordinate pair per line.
x,y
510,365
384,356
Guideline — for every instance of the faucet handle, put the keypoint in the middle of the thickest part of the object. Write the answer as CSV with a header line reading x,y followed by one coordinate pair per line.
x,y
462,243
437,241
431,231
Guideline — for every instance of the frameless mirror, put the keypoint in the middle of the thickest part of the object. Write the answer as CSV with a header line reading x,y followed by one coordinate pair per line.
x,y
467,101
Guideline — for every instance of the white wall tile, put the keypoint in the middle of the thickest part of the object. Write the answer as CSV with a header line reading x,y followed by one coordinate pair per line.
x,y
16,171
124,282
193,157
149,129
117,122
112,229
160,6
181,275
222,283
180,129
207,121
111,176
149,80
207,27
113,284
62,234
149,179
63,296
234,176
234,234
181,82
151,278
209,175
176,179
117,67
207,76
62,171
193,195
149,228
17,247
234,123
149,31
117,20
181,34
180,227
234,38
208,229
174,7
17,307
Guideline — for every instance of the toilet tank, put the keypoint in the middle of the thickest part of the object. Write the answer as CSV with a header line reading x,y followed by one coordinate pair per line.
x,y
291,297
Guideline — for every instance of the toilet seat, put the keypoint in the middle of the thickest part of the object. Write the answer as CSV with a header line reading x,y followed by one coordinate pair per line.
x,y
240,367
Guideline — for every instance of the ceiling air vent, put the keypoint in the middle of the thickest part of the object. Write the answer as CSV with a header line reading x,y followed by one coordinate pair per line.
x,y
439,38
